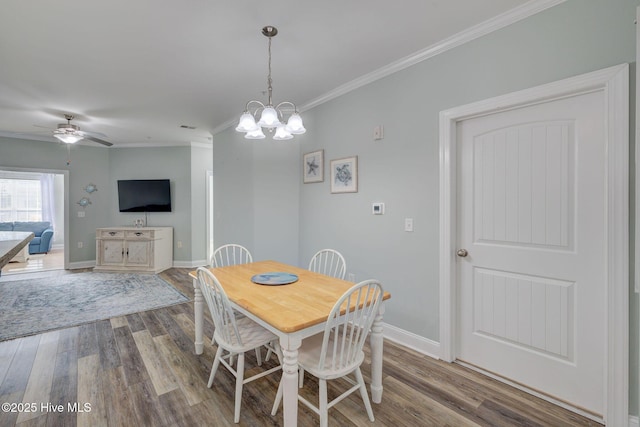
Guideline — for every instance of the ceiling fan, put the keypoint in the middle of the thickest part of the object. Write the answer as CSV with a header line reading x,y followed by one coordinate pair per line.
x,y
70,134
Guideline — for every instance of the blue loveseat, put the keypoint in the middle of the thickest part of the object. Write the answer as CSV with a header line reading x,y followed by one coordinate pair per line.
x,y
42,230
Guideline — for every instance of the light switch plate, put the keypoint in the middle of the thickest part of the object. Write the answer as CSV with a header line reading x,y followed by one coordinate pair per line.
x,y
378,133
408,224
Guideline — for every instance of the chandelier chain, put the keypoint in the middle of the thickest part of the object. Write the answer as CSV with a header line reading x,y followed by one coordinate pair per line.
x,y
269,88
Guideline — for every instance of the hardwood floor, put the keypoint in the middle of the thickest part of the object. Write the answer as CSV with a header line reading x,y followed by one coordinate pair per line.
x,y
54,260
141,370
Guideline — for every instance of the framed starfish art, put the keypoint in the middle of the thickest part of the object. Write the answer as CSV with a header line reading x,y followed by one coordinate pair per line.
x,y
313,167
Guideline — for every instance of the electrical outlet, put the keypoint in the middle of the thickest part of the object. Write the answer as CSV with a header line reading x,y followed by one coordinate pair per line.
x,y
80,245
80,214
351,277
179,244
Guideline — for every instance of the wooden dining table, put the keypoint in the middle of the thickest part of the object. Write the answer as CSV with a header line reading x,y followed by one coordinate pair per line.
x,y
11,243
292,312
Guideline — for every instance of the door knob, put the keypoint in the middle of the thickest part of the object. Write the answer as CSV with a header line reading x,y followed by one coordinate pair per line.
x,y
462,253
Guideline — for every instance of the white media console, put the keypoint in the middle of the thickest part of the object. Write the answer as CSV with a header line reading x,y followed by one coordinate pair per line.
x,y
143,249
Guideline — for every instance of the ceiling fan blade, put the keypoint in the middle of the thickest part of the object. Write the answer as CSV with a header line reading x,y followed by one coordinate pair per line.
x,y
98,140
94,134
84,132
33,132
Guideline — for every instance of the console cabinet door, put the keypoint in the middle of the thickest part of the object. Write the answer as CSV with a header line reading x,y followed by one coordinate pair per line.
x,y
112,252
139,253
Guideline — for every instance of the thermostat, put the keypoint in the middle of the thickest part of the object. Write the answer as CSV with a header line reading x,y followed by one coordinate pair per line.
x,y
377,208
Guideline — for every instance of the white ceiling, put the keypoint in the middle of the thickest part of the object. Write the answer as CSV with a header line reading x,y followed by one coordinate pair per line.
x,y
136,71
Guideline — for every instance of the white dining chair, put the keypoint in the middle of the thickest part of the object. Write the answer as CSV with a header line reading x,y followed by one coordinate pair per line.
x,y
329,262
337,352
234,336
230,254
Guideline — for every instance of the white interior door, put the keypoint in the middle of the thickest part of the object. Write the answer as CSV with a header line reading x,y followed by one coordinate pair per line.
x,y
534,186
532,218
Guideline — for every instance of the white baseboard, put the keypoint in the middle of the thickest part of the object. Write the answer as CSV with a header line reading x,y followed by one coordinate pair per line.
x,y
408,339
189,264
634,421
176,264
81,264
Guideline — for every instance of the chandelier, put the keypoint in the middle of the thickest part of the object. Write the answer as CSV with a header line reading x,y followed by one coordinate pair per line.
x,y
271,117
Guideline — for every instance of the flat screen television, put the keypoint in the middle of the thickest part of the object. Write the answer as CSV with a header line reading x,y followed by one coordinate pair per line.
x,y
144,195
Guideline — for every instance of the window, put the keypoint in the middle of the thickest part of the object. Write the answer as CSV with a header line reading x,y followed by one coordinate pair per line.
x,y
20,200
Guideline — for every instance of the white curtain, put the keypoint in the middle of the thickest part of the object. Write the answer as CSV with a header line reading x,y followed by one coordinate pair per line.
x,y
48,199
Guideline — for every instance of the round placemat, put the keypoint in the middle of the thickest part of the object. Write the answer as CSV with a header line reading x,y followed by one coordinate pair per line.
x,y
274,278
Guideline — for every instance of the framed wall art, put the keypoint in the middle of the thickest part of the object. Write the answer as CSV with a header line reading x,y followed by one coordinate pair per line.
x,y
313,167
344,175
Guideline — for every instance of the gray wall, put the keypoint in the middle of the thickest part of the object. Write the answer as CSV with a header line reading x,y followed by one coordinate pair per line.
x,y
276,177
88,165
171,163
572,38
103,167
256,195
233,190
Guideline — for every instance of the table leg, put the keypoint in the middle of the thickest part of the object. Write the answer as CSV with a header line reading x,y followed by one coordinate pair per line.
x,y
376,343
198,314
290,380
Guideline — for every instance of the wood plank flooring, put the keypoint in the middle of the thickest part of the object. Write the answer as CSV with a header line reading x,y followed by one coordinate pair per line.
x,y
54,260
141,370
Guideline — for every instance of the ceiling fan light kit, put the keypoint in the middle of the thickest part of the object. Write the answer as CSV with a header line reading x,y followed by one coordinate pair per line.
x,y
67,138
70,134
271,117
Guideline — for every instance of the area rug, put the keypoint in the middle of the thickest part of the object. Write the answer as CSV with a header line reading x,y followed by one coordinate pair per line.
x,y
33,306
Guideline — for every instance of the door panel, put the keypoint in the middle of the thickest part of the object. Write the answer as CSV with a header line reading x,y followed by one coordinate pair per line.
x,y
522,177
530,312
532,203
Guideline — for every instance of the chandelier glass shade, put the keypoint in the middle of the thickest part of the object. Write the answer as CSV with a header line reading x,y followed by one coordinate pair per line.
x,y
257,115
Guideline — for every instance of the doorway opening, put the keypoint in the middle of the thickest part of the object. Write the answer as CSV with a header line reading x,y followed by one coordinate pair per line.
x,y
209,215
50,206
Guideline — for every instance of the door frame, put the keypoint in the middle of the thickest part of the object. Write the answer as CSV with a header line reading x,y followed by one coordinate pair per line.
x,y
65,202
209,218
614,82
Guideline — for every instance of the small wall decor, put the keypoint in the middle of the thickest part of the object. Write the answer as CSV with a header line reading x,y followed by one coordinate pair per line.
x,y
344,175
313,167
90,188
84,202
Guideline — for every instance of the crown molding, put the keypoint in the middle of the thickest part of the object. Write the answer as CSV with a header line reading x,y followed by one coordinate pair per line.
x,y
207,145
224,126
498,22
